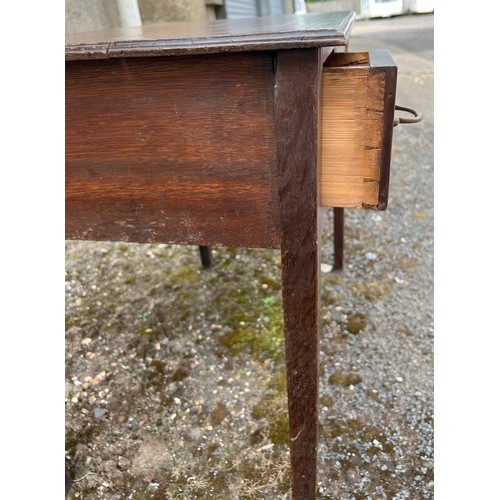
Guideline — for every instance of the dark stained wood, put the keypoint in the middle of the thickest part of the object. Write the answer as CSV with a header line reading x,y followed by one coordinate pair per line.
x,y
224,35
382,61
173,150
206,256
297,92
338,239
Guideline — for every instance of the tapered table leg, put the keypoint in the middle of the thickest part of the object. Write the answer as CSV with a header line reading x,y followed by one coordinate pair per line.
x,y
296,114
338,239
206,256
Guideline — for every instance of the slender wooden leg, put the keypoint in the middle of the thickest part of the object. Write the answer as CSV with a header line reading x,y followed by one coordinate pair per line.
x,y
338,239
206,256
296,107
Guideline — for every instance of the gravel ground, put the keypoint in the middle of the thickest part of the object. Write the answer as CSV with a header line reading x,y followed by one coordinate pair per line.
x,y
175,384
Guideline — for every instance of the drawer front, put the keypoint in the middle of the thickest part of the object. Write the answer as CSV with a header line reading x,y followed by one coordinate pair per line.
x,y
358,99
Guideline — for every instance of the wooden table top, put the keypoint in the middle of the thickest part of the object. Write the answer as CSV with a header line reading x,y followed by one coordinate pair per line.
x,y
224,35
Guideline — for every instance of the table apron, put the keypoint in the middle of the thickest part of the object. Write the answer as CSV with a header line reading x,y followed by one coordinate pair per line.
x,y
173,150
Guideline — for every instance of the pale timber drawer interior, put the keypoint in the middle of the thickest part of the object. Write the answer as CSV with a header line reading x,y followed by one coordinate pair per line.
x,y
358,99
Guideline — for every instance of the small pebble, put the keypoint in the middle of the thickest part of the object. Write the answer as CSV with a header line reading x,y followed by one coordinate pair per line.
x,y
399,379
371,256
86,341
399,469
124,463
98,378
99,413
326,268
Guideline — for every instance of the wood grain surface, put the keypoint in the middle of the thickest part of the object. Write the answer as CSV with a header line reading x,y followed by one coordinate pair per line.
x,y
357,113
297,91
224,35
382,62
174,150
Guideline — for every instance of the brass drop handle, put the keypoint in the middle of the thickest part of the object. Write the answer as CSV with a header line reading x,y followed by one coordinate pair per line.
x,y
417,116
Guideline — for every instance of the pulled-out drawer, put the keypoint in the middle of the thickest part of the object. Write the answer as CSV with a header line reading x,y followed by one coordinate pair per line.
x,y
358,99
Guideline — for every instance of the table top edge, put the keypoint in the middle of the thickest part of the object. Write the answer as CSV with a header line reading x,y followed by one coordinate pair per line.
x,y
281,32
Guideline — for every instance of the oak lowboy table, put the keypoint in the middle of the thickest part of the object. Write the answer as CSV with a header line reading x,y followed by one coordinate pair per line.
x,y
232,133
